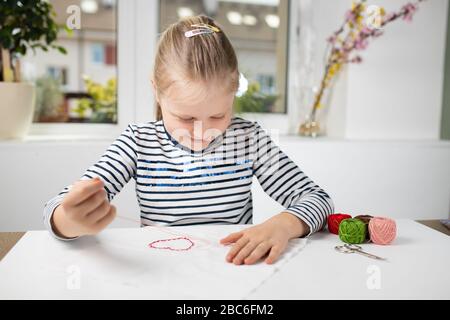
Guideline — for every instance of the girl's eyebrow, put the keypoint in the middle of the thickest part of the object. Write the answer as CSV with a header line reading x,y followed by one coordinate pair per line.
x,y
188,116
180,115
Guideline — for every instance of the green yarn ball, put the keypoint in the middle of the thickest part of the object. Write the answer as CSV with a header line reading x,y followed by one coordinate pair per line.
x,y
352,231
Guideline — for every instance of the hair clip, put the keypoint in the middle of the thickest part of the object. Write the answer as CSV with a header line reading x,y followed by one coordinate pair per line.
x,y
202,28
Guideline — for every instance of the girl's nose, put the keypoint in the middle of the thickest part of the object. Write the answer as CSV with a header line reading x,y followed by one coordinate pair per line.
x,y
204,130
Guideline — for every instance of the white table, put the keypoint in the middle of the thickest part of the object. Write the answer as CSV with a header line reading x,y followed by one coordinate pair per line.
x,y
417,268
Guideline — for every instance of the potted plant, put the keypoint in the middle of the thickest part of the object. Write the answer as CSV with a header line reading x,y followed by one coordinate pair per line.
x,y
253,100
100,103
24,25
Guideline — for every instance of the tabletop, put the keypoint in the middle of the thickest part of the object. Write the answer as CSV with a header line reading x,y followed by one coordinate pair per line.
x,y
416,267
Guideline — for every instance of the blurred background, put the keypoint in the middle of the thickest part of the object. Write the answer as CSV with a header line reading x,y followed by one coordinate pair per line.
x,y
383,146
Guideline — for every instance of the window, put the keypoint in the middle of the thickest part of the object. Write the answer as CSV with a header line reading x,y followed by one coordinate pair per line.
x,y
258,30
80,86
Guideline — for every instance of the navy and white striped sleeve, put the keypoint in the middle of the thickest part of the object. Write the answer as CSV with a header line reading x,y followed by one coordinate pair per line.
x,y
284,182
115,168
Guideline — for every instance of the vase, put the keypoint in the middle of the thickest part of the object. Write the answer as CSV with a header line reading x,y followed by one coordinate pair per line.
x,y
17,100
313,124
310,127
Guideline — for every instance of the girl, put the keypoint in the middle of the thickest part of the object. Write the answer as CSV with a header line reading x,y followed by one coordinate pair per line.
x,y
195,163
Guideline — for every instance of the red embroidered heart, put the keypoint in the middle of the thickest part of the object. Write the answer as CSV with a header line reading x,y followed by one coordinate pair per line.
x,y
174,244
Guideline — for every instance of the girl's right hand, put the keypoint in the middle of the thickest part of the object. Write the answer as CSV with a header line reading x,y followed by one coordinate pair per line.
x,y
85,210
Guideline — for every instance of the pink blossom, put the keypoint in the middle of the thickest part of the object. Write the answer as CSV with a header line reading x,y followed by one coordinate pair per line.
x,y
409,10
349,40
350,16
360,44
366,31
356,59
331,39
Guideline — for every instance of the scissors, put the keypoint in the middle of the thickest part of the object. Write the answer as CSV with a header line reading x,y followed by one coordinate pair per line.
x,y
353,248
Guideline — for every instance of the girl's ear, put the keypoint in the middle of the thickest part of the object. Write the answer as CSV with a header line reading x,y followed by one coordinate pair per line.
x,y
153,86
155,92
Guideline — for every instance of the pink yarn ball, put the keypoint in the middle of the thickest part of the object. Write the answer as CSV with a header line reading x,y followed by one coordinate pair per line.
x,y
382,230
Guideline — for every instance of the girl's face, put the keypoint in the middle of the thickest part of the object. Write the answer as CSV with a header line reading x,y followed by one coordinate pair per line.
x,y
196,113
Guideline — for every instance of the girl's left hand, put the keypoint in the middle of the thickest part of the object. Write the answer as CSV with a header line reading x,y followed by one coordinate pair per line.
x,y
267,239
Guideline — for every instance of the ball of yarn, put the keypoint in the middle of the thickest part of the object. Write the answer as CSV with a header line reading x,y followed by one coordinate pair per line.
x,y
382,230
352,231
334,220
366,219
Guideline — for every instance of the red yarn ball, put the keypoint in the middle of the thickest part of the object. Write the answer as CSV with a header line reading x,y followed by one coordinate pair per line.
x,y
334,220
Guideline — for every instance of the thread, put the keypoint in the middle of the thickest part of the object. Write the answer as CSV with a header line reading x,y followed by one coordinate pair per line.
x,y
166,229
155,244
334,220
382,230
352,231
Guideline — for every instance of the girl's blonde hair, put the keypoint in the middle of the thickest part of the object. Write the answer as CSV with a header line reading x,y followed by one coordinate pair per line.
x,y
205,57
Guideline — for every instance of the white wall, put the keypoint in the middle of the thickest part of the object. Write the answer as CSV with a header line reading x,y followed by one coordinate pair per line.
x,y
396,179
33,172
399,179
396,93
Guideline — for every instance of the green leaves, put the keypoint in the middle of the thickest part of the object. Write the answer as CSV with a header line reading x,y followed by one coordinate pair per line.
x,y
102,102
253,100
61,49
28,24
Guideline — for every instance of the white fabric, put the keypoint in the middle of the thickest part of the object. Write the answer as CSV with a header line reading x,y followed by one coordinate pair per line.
x,y
120,264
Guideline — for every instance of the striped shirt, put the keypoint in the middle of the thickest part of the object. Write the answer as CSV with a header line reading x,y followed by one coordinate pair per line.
x,y
176,186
